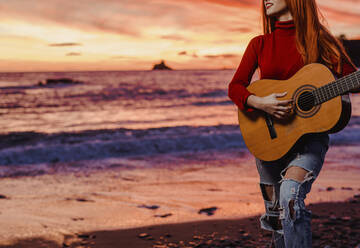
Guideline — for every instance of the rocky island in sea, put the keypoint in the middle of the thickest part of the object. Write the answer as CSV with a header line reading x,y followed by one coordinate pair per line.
x,y
161,66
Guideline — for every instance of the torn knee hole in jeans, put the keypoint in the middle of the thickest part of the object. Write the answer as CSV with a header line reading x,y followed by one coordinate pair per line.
x,y
310,175
293,206
269,191
270,220
271,197
296,211
291,209
273,222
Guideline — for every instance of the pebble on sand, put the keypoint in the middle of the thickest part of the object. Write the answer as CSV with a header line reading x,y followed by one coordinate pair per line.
x,y
209,211
152,207
330,188
163,215
143,235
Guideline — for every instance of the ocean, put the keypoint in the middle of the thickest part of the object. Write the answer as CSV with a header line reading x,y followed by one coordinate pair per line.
x,y
124,118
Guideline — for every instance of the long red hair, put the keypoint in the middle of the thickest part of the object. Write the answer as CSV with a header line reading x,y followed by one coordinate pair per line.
x,y
313,40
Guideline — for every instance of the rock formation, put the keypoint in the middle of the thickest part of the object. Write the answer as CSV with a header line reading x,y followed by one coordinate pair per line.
x,y
161,66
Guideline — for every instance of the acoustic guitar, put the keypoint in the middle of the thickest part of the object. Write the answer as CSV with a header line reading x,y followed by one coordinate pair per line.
x,y
321,105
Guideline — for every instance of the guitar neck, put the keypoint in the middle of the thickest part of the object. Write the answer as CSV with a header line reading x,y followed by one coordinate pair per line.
x,y
337,88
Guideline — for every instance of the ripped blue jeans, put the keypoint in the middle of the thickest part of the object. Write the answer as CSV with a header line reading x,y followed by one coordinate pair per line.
x,y
285,212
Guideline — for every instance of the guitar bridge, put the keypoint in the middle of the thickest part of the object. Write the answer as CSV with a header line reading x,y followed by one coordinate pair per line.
x,y
270,126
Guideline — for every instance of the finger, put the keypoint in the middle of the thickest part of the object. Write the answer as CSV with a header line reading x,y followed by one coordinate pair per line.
x,y
280,113
288,114
278,116
283,109
280,94
285,102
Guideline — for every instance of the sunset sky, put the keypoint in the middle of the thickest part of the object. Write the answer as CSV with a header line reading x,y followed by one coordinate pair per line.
x,y
66,35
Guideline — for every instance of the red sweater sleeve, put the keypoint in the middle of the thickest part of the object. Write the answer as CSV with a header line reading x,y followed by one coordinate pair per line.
x,y
249,62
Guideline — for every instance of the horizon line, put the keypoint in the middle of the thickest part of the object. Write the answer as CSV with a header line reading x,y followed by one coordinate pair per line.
x,y
204,69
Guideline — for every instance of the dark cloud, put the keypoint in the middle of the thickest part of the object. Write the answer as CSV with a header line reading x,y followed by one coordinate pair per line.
x,y
66,44
185,53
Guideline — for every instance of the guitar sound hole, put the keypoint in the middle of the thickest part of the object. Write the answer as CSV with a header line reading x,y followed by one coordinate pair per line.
x,y
306,101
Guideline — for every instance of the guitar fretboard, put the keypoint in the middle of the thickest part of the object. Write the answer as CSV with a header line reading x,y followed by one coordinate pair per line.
x,y
337,87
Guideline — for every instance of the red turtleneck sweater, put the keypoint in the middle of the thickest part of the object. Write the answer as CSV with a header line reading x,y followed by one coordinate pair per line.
x,y
277,57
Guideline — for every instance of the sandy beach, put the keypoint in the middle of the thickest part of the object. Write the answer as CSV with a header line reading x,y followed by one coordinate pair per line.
x,y
110,207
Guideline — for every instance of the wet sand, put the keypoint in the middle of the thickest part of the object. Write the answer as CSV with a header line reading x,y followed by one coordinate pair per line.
x,y
112,208
334,225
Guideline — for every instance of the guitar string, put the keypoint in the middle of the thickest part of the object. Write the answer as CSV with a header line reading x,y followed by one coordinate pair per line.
x,y
331,86
334,86
320,94
325,92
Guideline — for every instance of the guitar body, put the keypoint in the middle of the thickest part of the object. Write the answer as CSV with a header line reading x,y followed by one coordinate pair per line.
x,y
271,139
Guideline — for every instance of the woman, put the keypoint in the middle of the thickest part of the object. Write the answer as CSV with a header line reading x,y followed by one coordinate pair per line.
x,y
293,37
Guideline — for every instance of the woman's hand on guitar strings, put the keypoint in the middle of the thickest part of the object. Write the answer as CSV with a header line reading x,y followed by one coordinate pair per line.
x,y
270,104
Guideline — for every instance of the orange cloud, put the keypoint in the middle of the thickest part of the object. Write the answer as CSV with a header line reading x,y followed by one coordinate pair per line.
x,y
236,3
64,44
241,29
174,37
73,54
224,56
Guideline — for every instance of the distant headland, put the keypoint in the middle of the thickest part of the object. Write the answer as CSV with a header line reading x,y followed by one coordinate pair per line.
x,y
353,49
161,66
